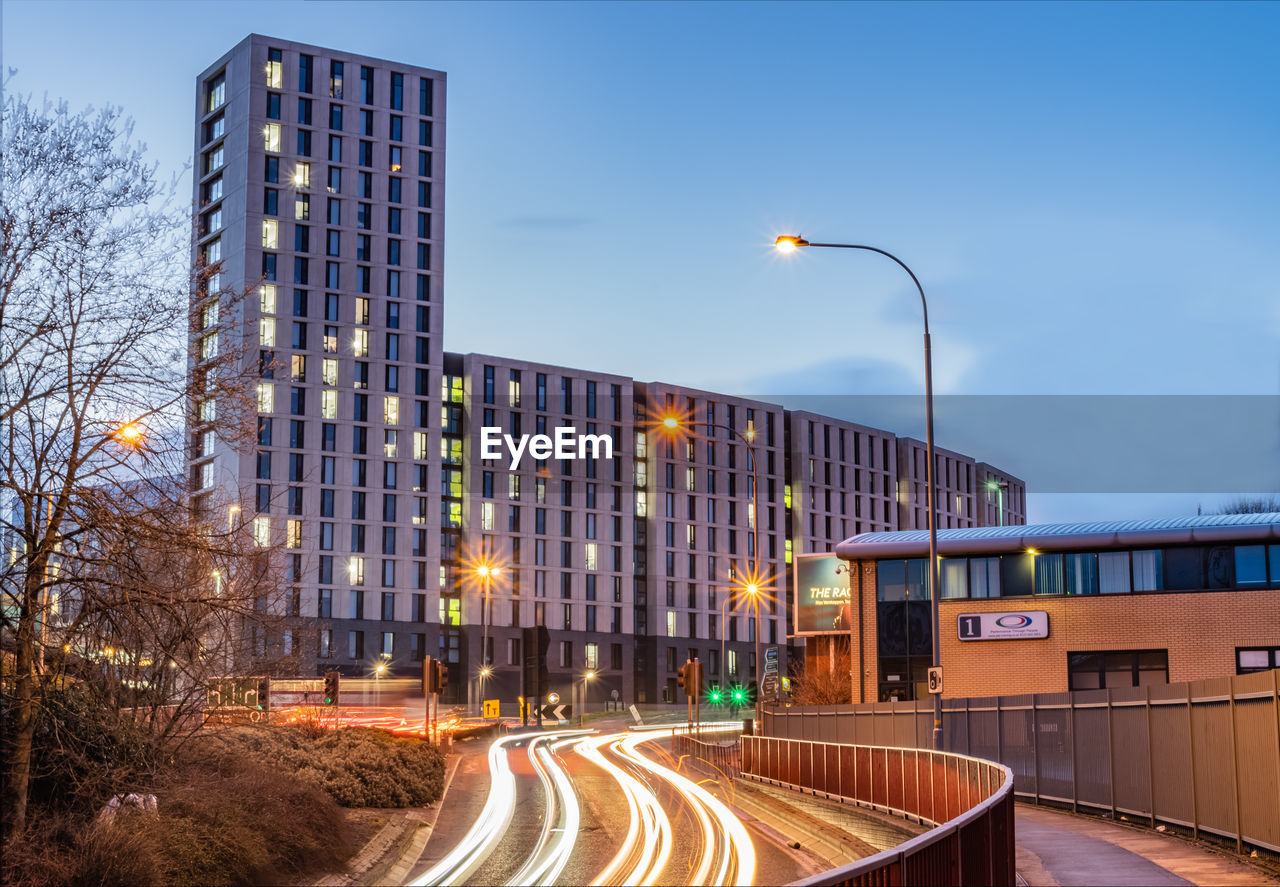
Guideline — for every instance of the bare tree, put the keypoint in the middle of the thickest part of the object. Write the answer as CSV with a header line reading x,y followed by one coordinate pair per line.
x,y
822,681
1252,505
97,381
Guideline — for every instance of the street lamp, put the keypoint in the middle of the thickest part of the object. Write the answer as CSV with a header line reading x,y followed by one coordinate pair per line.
x,y
998,487
788,243
672,425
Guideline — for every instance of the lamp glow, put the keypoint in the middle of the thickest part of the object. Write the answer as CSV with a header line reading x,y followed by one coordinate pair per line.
x,y
789,243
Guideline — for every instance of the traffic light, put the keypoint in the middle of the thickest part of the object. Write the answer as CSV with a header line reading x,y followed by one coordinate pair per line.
x,y
428,675
261,691
442,676
751,693
684,676
331,679
715,696
695,679
738,695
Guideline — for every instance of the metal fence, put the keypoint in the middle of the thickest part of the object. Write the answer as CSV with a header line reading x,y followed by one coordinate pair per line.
x,y
1203,755
704,747
967,801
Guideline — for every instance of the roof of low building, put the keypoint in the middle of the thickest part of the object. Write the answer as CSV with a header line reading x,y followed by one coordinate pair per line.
x,y
1205,529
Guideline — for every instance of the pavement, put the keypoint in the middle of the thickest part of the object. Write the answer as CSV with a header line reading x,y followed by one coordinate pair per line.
x,y
1061,848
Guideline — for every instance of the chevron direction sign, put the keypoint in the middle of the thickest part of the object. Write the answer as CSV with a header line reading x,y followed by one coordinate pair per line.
x,y
557,713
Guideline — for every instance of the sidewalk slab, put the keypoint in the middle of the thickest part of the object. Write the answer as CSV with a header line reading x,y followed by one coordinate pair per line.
x,y
1061,848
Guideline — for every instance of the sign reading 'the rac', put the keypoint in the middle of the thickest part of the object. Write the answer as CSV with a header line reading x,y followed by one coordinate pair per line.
x,y
1003,626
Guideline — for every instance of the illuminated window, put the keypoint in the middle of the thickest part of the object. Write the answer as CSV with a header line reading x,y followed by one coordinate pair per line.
x,y
298,367
688,479
733,662
486,515
450,611
270,234
361,343
208,410
267,332
419,510
395,161
362,309
451,514
271,137
590,549
513,487
293,534
275,68
266,397
355,570
451,451
330,343
391,410
302,175
329,371
302,207
592,656
267,298
206,475
209,347
390,446
262,532
671,623
328,404
642,474
420,445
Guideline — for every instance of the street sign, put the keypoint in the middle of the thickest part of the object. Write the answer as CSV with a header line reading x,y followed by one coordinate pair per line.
x,y
935,680
491,707
1002,626
635,713
557,712
786,685
771,660
769,685
553,698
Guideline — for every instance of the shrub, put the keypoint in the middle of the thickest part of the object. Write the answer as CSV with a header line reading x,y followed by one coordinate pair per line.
x,y
357,766
230,822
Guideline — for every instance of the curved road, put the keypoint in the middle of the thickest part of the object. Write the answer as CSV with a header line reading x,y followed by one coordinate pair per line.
x,y
580,807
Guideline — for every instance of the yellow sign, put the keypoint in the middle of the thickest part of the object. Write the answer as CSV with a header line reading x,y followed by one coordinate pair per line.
x,y
491,708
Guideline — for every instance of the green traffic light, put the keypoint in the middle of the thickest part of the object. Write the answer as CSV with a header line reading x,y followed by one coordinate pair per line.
x,y
715,697
739,695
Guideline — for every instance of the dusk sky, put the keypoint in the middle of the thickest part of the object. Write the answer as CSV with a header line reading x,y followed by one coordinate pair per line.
x,y
1090,193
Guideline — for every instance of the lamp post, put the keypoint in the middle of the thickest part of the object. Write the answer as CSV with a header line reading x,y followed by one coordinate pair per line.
x,y
752,586
998,487
790,243
487,572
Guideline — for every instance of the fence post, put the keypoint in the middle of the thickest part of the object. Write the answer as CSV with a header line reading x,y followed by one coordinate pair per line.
x,y
1151,767
1191,753
1111,755
1071,732
1235,769
1035,743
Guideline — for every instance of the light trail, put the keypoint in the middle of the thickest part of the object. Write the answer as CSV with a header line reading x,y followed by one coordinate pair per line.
x,y
555,844
488,828
647,846
727,853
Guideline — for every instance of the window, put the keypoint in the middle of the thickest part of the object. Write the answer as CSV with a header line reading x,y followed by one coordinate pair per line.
x,y
397,92
1251,566
305,64
335,80
270,234
215,92
1251,659
366,85
1101,670
271,137
1147,570
1113,572
302,175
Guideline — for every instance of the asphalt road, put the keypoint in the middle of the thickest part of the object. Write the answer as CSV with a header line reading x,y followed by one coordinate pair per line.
x,y
562,815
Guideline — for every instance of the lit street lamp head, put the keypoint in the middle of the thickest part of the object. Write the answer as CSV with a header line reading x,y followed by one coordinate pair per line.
x,y
130,434
790,242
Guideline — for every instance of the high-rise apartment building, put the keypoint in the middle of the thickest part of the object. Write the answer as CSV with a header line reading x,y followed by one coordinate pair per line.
x,y
320,187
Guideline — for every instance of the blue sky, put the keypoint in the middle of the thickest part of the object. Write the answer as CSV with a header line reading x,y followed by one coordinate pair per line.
x,y
1089,192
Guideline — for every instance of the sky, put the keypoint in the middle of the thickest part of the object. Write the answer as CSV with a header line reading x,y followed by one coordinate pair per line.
x,y
1089,193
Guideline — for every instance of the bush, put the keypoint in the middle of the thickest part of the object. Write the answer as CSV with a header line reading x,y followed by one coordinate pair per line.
x,y
57,851
357,766
232,822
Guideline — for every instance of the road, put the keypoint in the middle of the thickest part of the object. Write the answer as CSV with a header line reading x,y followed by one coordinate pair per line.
x,y
607,807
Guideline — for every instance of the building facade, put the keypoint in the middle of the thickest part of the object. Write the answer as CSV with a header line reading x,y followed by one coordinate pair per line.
x,y
1056,607
399,530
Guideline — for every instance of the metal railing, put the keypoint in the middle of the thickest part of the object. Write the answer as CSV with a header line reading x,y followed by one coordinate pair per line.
x,y
1203,755
708,748
967,802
